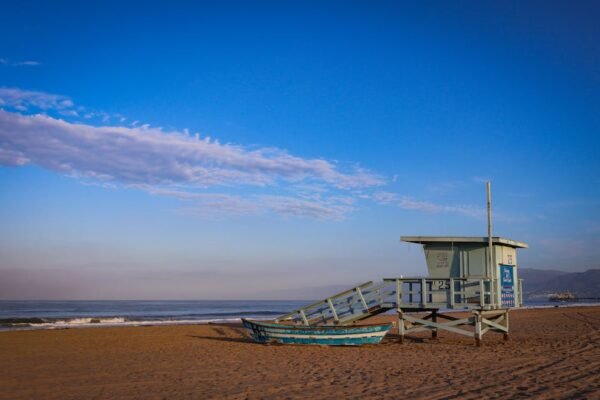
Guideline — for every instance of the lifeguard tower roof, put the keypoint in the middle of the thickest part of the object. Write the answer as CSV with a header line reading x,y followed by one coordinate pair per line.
x,y
463,239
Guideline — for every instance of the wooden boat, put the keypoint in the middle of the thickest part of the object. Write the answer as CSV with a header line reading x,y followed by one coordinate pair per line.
x,y
355,335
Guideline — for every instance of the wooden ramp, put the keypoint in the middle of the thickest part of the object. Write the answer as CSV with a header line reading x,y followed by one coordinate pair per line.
x,y
360,302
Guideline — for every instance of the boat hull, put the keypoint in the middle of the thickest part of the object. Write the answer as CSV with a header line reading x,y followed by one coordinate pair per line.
x,y
265,332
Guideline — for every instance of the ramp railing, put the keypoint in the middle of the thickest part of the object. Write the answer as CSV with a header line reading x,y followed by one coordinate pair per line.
x,y
357,303
366,300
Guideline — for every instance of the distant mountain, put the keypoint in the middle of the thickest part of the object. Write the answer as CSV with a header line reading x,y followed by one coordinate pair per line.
x,y
537,279
540,282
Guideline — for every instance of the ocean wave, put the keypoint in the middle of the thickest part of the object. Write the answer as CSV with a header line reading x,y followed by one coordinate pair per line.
x,y
16,322
209,314
46,323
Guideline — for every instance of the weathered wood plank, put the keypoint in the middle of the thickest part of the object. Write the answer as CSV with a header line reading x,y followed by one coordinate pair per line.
x,y
494,325
335,316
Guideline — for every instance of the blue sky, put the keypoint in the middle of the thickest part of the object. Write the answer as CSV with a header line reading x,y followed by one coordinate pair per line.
x,y
238,150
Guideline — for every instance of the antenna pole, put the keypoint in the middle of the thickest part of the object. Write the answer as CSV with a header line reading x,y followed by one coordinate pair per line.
x,y
489,223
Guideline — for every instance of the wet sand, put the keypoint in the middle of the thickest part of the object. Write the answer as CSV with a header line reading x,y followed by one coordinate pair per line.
x,y
552,354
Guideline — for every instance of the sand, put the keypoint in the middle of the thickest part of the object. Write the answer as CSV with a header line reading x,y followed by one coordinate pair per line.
x,y
552,354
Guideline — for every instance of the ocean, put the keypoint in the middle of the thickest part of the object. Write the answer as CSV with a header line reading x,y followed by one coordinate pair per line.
x,y
35,314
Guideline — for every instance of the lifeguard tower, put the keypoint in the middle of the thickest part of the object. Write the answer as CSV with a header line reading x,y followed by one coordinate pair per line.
x,y
460,258
478,275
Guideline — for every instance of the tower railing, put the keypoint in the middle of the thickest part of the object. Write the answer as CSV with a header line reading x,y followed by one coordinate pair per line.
x,y
441,293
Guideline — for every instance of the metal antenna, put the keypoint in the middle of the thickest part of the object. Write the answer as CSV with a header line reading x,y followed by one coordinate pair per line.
x,y
489,223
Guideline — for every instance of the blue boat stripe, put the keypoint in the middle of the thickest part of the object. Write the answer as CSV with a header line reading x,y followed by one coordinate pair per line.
x,y
349,335
341,341
311,331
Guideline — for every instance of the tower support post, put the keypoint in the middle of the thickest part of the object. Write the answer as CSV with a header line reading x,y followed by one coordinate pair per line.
x,y
401,328
478,333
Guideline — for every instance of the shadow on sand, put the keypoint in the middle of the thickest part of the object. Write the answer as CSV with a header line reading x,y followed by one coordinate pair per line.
x,y
224,338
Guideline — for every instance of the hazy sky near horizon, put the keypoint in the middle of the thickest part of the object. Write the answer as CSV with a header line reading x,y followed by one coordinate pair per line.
x,y
238,150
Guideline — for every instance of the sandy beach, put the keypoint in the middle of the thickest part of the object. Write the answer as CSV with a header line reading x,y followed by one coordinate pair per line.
x,y
552,353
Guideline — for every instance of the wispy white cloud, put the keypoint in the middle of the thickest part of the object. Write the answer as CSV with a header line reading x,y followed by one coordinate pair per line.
x,y
319,207
32,102
186,165
172,163
215,204
23,100
408,203
26,63
47,130
150,155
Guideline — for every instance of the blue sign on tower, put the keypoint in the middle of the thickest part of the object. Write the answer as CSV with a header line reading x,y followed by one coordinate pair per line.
x,y
508,285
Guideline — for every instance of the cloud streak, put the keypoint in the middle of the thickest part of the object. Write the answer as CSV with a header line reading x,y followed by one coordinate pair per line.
x,y
151,156
173,163
23,100
408,203
315,206
52,132
31,102
329,208
28,63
